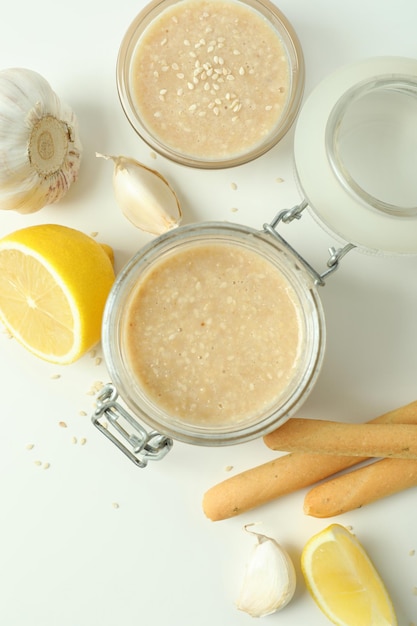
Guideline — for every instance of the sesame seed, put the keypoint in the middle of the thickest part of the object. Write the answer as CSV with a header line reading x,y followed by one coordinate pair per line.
x,y
236,52
190,86
165,68
242,71
187,42
164,41
46,465
38,463
192,107
210,49
83,441
157,114
115,505
82,413
216,111
268,107
180,92
30,446
162,92
175,67
233,186
55,376
230,77
62,424
180,75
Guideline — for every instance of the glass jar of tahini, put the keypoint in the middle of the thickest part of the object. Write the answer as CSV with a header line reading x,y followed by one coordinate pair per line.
x,y
214,333
210,83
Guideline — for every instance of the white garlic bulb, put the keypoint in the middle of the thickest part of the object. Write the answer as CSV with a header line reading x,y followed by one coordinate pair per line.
x,y
40,150
144,196
269,581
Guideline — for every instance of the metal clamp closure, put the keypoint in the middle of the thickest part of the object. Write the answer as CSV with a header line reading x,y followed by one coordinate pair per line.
x,y
125,432
287,216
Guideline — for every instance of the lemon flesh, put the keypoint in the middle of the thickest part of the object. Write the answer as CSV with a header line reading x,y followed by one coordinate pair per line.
x,y
54,282
343,581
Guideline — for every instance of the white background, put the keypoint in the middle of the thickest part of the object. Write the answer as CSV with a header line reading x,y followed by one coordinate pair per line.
x,y
68,557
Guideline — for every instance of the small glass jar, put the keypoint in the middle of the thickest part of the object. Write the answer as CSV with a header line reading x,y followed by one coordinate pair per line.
x,y
310,348
210,100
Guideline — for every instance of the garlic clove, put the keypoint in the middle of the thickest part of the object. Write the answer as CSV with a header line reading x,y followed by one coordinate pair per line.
x,y
144,196
269,580
40,148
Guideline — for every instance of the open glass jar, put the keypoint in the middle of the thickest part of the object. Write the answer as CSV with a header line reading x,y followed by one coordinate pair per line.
x,y
213,334
210,83
368,106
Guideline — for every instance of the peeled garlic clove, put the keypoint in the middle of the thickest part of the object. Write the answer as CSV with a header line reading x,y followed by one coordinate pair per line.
x,y
40,149
269,581
144,196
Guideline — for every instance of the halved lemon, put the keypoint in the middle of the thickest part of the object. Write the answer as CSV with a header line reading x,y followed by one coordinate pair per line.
x,y
54,282
343,581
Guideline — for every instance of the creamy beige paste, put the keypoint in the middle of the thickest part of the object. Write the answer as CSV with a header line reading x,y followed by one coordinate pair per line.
x,y
210,78
213,334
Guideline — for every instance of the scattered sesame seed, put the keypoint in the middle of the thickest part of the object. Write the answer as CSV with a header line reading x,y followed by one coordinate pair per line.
x,y
55,376
412,552
94,233
115,505
175,66
83,441
233,186
236,52
164,41
62,424
187,42
152,155
38,463
415,591
279,180
180,75
268,107
82,413
98,360
46,465
74,440
30,446
228,468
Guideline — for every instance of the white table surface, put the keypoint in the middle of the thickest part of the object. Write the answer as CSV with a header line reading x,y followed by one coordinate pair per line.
x,y
68,555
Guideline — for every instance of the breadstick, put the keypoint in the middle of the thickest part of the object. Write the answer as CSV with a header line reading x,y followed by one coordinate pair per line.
x,y
360,487
326,437
285,474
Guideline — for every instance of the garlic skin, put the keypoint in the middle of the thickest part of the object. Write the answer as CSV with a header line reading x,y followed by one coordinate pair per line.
x,y
40,148
144,196
269,581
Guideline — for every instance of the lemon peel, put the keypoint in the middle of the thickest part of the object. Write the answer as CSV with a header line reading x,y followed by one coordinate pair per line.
x,y
343,581
54,282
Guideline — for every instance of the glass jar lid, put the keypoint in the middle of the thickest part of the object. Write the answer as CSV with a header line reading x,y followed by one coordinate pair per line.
x,y
355,151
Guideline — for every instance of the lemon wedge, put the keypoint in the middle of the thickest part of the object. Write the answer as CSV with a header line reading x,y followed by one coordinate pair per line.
x,y
343,581
54,282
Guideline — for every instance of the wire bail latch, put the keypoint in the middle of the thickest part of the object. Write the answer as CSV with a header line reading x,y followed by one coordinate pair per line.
x,y
288,215
125,432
